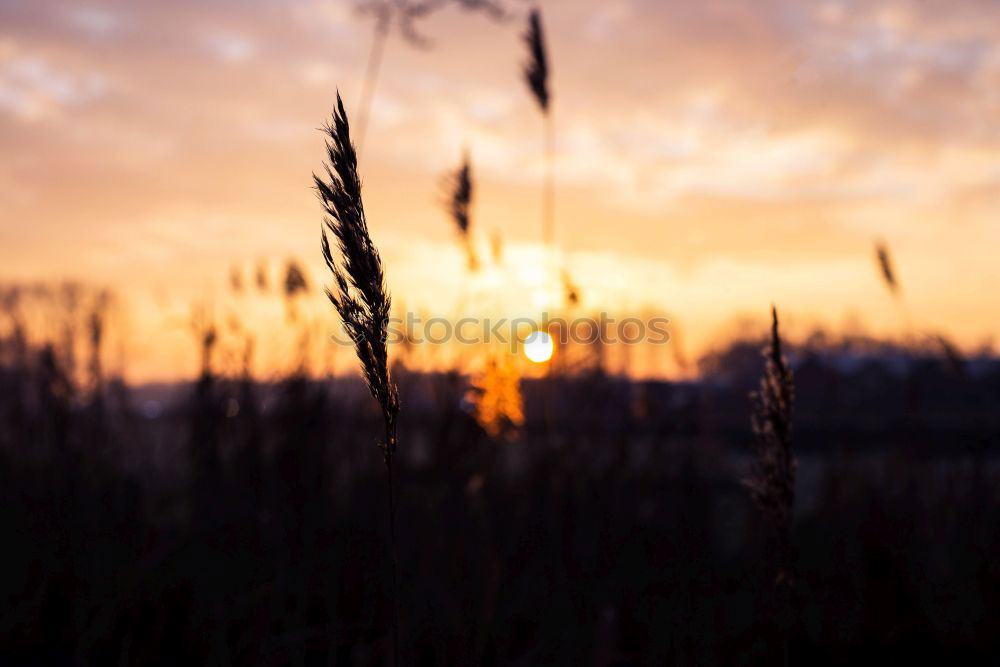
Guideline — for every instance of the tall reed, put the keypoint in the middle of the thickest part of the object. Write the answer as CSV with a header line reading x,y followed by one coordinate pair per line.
x,y
571,291
295,283
886,268
96,328
772,482
404,13
891,279
361,299
459,206
536,76
235,279
952,355
260,276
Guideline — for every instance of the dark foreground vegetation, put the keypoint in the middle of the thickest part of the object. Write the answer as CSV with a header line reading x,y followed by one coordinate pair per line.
x,y
231,522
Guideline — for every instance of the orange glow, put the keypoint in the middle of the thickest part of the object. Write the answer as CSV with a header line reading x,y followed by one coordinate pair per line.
x,y
155,146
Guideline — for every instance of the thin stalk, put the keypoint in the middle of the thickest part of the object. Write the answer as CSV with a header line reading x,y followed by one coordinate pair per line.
x,y
392,549
549,185
375,54
549,197
360,296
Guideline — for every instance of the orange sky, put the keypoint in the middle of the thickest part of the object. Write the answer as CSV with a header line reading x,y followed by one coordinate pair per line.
x,y
713,157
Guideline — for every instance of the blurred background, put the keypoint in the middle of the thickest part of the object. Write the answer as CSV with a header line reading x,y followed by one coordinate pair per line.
x,y
188,470
710,159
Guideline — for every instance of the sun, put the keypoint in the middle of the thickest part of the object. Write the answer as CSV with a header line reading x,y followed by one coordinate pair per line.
x,y
538,347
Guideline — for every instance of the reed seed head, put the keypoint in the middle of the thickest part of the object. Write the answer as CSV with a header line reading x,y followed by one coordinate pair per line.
x,y
459,204
260,276
405,14
772,483
885,266
461,196
295,279
235,280
570,289
536,69
952,355
359,293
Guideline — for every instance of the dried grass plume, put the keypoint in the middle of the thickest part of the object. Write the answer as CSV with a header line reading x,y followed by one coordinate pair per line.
x,y
536,69
459,205
772,483
360,298
885,266
359,294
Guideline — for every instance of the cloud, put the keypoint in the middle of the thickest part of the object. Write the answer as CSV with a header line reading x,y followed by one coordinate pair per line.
x,y
94,20
689,133
780,99
229,47
32,88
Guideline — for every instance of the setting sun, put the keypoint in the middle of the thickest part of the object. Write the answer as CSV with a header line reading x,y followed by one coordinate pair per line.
x,y
538,347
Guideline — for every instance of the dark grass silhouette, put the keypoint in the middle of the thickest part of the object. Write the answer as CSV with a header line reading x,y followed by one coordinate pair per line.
x,y
361,299
772,482
459,207
536,76
886,268
536,68
627,540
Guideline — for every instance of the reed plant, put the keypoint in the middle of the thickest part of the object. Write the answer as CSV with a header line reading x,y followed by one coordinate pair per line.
x,y
360,297
890,277
459,205
772,482
536,76
405,14
886,269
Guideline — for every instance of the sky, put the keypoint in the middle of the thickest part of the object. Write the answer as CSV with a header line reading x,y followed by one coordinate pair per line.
x,y
712,158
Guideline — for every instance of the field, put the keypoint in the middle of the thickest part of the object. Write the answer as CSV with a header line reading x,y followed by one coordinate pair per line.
x,y
499,332
158,525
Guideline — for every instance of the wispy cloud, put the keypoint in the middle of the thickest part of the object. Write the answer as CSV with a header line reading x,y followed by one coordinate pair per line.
x,y
94,20
229,47
32,88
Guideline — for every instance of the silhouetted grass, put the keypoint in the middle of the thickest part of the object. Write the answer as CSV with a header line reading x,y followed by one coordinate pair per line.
x,y
772,483
459,206
360,297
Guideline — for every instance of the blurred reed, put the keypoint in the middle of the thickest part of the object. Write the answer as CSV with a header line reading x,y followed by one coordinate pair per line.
x,y
536,76
885,266
260,276
536,69
405,14
772,483
235,279
459,205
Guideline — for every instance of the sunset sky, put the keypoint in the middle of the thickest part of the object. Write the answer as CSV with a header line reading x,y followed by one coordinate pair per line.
x,y
713,157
